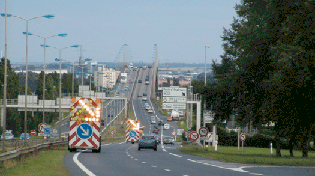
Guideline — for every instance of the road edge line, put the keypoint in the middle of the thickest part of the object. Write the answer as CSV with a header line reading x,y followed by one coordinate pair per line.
x,y
81,166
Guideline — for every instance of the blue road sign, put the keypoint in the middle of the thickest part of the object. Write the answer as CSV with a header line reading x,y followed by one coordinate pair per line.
x,y
84,131
132,134
46,130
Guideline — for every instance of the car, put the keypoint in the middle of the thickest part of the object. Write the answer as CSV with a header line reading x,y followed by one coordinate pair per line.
x,y
117,95
139,95
145,94
147,107
147,83
161,123
134,69
153,120
148,142
144,98
168,140
150,110
150,66
139,81
166,126
169,119
28,136
8,136
156,130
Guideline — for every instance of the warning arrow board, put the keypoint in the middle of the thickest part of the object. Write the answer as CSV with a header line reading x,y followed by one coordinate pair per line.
x,y
194,136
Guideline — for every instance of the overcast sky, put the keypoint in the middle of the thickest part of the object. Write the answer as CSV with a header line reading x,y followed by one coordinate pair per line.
x,y
180,28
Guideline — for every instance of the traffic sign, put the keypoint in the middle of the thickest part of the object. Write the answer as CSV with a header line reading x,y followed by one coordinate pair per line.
x,y
209,136
132,134
203,131
182,122
33,132
41,127
46,130
194,136
243,137
186,134
84,131
173,133
113,132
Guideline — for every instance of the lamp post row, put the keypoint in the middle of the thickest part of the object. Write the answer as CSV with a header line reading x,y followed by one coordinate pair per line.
x,y
26,70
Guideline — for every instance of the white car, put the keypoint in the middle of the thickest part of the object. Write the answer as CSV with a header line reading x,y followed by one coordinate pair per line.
x,y
166,126
144,98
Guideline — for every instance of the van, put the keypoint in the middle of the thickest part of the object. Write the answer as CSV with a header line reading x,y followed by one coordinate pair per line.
x,y
166,126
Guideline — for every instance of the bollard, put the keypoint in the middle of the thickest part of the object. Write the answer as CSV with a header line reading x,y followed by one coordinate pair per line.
x,y
215,145
271,147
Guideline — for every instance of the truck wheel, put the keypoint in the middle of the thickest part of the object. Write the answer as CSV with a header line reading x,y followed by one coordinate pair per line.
x,y
132,142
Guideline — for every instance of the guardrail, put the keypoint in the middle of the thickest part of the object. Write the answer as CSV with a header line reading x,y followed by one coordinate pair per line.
x,y
21,153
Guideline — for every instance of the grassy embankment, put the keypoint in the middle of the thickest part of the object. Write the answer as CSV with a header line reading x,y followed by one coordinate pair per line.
x,y
252,155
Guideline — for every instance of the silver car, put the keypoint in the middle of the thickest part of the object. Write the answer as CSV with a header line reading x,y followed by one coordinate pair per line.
x,y
8,135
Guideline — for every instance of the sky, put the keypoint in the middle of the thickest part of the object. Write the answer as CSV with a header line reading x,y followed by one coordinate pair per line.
x,y
180,28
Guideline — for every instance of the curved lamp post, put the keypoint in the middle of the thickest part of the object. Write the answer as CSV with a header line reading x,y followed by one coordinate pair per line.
x,y
44,80
75,46
26,59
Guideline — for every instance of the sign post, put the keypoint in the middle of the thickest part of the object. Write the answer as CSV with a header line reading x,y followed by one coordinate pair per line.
x,y
243,137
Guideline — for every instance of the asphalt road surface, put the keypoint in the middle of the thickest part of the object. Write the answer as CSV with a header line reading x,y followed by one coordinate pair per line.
x,y
125,159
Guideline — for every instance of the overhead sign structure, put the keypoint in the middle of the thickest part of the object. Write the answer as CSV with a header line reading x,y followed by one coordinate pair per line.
x,y
208,116
243,137
174,99
194,136
41,127
84,131
203,131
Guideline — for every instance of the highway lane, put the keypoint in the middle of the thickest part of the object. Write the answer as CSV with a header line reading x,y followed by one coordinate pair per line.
x,y
125,159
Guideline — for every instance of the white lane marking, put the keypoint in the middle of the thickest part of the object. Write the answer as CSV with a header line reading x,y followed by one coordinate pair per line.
x,y
255,174
105,144
128,155
121,143
131,157
81,166
136,159
153,166
144,162
164,150
167,170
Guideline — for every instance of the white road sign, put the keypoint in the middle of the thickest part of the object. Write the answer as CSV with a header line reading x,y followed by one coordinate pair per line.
x,y
209,136
203,131
194,136
174,99
175,92
179,132
174,106
208,116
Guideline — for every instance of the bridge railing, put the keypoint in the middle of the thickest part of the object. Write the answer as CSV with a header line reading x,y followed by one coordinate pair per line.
x,y
9,102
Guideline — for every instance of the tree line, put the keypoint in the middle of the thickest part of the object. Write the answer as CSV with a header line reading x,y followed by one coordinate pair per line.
x,y
16,86
267,70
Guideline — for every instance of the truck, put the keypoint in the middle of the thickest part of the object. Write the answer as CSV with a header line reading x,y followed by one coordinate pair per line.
x,y
133,131
175,115
85,125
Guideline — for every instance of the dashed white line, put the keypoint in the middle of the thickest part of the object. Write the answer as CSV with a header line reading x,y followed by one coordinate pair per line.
x,y
144,162
136,159
255,174
167,170
153,166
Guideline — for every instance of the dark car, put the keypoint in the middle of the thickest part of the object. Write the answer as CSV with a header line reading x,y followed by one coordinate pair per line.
x,y
161,123
139,81
148,142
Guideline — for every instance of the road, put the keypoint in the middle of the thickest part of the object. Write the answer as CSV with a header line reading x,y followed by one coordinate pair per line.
x,y
125,159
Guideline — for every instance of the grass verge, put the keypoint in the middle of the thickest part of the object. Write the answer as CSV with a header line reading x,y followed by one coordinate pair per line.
x,y
42,163
251,155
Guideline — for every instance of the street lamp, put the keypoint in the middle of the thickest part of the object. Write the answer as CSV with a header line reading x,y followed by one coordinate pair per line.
x,y
75,46
44,81
206,64
26,60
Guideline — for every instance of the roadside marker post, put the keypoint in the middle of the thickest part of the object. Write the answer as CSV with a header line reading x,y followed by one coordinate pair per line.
x,y
243,139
